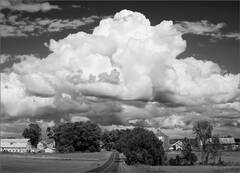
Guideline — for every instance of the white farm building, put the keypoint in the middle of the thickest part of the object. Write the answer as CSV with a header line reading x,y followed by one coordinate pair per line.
x,y
15,145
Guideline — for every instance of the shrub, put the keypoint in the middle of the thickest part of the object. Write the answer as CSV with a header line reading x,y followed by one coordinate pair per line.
x,y
172,162
78,136
139,146
189,158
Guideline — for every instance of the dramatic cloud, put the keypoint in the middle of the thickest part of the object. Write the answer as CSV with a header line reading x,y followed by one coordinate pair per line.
x,y
7,60
125,72
178,121
128,59
206,28
27,7
16,26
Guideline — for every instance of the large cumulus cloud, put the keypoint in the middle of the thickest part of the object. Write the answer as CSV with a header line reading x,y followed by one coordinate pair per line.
x,y
125,58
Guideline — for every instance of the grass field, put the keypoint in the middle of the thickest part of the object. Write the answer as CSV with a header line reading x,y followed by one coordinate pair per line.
x,y
81,162
52,163
190,169
233,157
226,156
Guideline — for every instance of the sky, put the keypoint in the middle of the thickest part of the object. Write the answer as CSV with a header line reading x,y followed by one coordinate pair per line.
x,y
120,64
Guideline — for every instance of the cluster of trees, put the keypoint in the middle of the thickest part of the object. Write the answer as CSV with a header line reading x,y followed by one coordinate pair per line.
x,y
78,136
68,137
187,156
138,145
210,146
33,132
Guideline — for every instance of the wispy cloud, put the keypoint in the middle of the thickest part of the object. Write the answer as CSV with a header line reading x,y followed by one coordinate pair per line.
x,y
53,25
76,6
27,7
15,26
232,35
206,28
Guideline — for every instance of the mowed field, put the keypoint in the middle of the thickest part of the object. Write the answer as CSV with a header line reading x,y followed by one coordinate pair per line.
x,y
233,157
52,163
226,156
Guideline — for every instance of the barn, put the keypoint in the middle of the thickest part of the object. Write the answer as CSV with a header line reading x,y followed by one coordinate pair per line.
x,y
177,146
15,145
228,142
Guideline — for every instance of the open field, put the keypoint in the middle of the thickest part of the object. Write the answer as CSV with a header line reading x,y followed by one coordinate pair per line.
x,y
54,163
81,162
190,169
233,157
226,156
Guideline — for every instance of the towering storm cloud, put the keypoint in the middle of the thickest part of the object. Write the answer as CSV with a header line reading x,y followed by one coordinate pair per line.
x,y
125,58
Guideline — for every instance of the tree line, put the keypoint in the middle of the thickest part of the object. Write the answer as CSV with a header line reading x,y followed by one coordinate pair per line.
x,y
139,145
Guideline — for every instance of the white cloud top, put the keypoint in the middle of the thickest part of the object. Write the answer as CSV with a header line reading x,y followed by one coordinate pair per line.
x,y
125,58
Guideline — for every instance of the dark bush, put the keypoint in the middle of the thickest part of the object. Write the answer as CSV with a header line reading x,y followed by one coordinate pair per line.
x,y
78,136
172,162
189,158
178,160
138,145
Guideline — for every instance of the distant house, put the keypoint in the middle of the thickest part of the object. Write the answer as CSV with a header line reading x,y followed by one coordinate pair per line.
x,y
228,143
227,140
164,138
47,146
49,150
51,144
177,146
15,145
41,146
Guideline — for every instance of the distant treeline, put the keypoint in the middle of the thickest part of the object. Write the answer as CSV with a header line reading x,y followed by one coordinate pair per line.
x,y
139,145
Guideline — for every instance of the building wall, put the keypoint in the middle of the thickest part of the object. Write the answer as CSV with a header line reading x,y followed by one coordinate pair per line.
x,y
14,150
14,145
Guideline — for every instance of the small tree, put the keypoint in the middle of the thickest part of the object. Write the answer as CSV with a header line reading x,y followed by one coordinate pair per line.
x,y
33,132
214,149
140,146
188,156
203,131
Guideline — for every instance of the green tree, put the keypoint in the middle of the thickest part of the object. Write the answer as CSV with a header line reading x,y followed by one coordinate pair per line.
x,y
33,132
109,139
203,132
214,149
188,156
140,146
78,136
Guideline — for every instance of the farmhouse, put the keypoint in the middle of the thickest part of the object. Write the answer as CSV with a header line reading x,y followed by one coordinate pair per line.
x,y
15,145
228,142
47,146
176,146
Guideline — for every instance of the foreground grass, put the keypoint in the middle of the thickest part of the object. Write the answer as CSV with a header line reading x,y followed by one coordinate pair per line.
x,y
190,169
54,163
232,158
